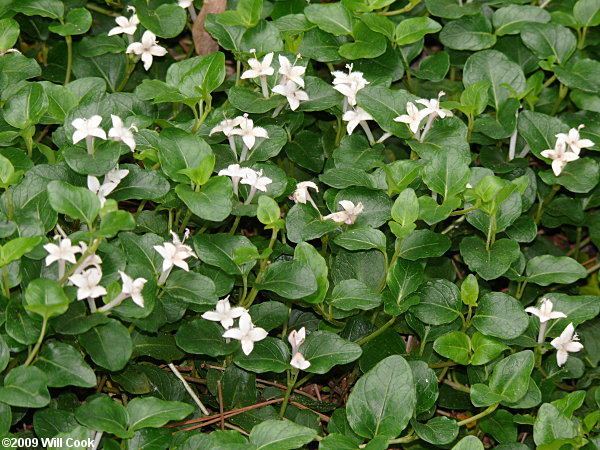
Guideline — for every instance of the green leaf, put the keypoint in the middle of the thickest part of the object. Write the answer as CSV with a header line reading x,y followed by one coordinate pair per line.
x,y
469,443
53,9
325,350
333,18
455,345
76,202
414,29
247,14
440,302
468,33
513,19
213,200
353,294
587,13
166,20
102,413
382,400
547,269
191,287
151,412
485,349
505,77
579,176
309,255
424,244
447,174
268,212
202,337
290,279
367,44
549,40
9,33
26,106
469,290
362,238
405,210
489,264
108,345
579,75
403,279
280,435
500,315
551,426
384,105
46,298
114,222
220,250
78,21
16,248
4,354
268,355
25,387
178,150
510,377
437,431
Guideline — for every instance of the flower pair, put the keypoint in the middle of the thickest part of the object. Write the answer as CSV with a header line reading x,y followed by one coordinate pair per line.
x,y
567,342
89,129
241,126
248,176
567,149
414,116
111,181
174,254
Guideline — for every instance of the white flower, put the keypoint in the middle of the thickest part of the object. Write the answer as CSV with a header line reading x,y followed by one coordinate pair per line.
x,y
567,342
87,127
125,25
120,133
174,254
184,3
235,171
348,84
256,180
355,117
90,260
133,288
64,251
412,118
147,49
249,132
573,141
87,283
301,194
296,338
111,181
299,362
258,68
348,215
224,313
291,72
247,333
544,312
560,157
292,93
227,126
432,107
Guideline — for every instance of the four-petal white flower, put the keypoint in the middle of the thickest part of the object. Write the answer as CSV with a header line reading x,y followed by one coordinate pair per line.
x,y
292,93
259,68
227,126
256,180
412,118
224,313
302,195
291,72
348,215
147,49
544,312
133,288
174,254
88,283
560,157
249,132
111,181
125,25
433,107
355,117
567,342
573,141
349,84
119,132
246,333
64,251
87,128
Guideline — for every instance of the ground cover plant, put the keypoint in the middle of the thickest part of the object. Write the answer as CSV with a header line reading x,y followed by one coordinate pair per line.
x,y
252,224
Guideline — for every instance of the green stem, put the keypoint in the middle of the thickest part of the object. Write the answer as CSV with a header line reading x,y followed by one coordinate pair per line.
x,y
405,439
396,12
106,12
185,221
38,344
582,36
263,265
236,222
288,391
490,409
5,282
577,243
457,386
544,203
69,41
374,334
